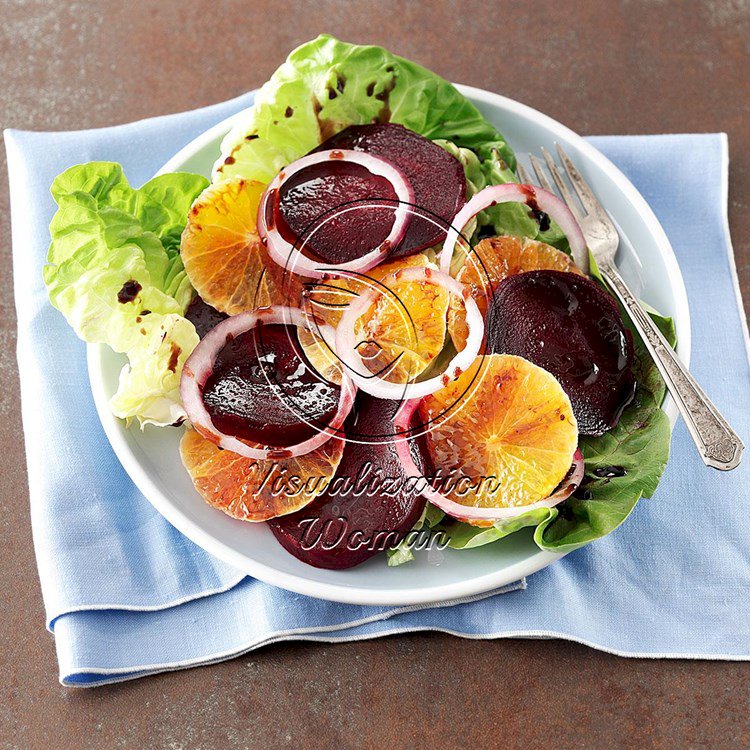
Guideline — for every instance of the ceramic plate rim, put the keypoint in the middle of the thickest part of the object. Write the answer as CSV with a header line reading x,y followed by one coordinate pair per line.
x,y
116,431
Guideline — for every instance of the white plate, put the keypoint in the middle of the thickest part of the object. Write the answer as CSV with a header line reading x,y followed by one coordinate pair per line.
x,y
152,460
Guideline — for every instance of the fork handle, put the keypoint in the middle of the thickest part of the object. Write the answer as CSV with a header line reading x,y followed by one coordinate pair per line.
x,y
718,443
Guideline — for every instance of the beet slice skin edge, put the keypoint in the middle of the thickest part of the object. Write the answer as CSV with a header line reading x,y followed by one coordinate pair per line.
x,y
572,328
351,522
437,177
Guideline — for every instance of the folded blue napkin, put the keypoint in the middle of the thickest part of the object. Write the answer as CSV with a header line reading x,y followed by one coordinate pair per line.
x,y
127,595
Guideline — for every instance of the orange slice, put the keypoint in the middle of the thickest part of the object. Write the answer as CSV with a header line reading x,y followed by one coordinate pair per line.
x,y
494,259
256,490
510,432
223,255
402,332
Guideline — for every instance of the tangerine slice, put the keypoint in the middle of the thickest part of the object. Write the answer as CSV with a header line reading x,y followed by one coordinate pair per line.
x,y
254,489
493,260
505,425
224,257
402,332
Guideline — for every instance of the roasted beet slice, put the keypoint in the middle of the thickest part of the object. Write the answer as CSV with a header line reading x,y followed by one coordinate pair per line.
x,y
572,328
310,196
262,389
367,508
437,177
203,316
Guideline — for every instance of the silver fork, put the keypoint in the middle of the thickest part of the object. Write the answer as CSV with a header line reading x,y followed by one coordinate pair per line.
x,y
718,443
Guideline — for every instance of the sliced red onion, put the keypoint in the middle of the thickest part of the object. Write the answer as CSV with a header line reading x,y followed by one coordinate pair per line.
x,y
346,349
535,198
571,481
200,364
402,424
291,258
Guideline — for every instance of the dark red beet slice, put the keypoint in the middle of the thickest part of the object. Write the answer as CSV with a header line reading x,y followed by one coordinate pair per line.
x,y
572,328
357,516
242,402
312,194
203,316
437,177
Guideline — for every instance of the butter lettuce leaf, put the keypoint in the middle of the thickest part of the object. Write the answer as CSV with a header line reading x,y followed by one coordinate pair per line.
x,y
621,467
505,218
427,522
326,85
476,177
635,453
115,272
465,536
149,387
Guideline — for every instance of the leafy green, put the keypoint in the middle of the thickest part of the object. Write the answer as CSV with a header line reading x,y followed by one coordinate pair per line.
x,y
115,272
464,535
326,85
476,179
639,444
403,552
514,218
150,387
505,218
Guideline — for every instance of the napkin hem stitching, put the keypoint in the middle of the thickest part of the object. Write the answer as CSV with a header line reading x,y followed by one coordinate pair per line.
x,y
302,633
124,675
145,607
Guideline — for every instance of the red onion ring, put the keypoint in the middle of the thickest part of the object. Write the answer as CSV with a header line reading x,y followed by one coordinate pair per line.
x,y
534,197
402,425
290,257
199,367
347,353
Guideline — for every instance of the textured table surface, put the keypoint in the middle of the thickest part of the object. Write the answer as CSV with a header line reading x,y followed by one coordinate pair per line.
x,y
632,66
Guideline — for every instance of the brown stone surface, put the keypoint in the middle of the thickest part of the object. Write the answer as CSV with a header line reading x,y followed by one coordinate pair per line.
x,y
600,67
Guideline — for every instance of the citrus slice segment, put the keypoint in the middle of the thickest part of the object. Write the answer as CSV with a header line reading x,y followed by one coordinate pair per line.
x,y
502,435
404,330
493,260
223,254
406,325
254,489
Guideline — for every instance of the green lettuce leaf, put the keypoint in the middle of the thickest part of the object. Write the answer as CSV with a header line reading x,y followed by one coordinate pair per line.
x,y
638,445
403,552
476,178
464,535
505,218
149,387
115,272
326,85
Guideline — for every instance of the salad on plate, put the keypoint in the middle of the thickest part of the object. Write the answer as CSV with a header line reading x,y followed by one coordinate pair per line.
x,y
368,331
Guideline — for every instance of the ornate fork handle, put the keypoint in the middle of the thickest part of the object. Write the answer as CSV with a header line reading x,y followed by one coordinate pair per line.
x,y
719,444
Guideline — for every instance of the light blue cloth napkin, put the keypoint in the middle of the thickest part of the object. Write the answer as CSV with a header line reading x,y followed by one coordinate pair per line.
x,y
126,595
